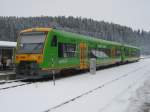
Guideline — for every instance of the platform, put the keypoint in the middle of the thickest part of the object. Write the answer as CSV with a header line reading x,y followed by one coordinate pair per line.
x,y
7,75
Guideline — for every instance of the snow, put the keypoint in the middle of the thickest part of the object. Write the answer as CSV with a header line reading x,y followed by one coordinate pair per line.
x,y
109,90
140,100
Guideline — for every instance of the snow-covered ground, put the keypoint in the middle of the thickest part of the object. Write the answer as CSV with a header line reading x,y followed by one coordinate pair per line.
x,y
140,100
109,90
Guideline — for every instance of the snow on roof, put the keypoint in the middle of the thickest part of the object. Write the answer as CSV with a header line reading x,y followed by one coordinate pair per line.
x,y
7,44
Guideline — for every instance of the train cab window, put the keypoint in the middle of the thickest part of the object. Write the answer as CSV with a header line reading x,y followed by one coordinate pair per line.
x,y
54,41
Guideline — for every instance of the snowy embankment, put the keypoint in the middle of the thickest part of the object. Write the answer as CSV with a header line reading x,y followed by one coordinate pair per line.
x,y
109,90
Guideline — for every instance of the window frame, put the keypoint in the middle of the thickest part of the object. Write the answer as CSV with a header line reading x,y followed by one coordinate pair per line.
x,y
67,50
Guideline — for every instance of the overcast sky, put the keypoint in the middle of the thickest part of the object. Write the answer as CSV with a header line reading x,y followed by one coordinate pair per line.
x,y
132,13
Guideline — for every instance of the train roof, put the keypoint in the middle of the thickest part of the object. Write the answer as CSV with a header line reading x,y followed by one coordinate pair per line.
x,y
8,44
69,34
88,38
130,46
77,36
36,30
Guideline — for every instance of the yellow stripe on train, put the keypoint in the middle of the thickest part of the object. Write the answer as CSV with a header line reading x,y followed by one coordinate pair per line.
x,y
29,57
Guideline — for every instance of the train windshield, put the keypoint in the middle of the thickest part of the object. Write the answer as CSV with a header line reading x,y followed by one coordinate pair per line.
x,y
31,42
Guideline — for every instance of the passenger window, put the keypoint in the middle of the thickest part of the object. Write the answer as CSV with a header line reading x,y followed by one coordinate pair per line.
x,y
66,50
54,41
100,53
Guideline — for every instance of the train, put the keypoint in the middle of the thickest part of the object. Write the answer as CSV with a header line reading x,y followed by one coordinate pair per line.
x,y
42,52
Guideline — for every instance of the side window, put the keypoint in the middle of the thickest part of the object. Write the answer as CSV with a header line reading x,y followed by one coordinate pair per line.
x,y
126,52
100,53
66,50
118,52
60,50
54,41
134,53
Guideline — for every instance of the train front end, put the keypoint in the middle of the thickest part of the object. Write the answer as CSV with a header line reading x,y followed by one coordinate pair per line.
x,y
29,52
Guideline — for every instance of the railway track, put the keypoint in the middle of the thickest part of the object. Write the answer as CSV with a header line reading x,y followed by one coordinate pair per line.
x,y
27,83
11,81
17,85
22,82
95,89
13,84
123,92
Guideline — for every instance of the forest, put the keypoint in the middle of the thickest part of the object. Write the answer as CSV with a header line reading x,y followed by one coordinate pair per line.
x,y
11,26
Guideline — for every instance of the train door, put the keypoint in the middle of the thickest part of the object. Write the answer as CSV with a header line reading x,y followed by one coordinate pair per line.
x,y
122,54
113,55
113,52
83,56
